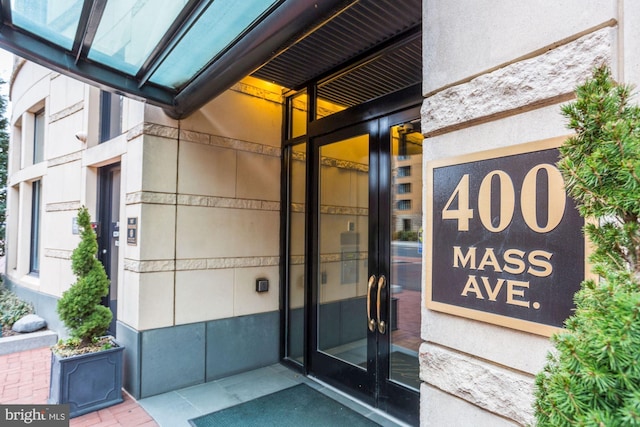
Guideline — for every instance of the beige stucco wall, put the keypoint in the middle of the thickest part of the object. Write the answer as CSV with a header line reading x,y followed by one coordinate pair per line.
x,y
206,191
68,172
495,75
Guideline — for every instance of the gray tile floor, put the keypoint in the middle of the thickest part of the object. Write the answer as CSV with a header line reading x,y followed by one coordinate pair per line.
x,y
176,408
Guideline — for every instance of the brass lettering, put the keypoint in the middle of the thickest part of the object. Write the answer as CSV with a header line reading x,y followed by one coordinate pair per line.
x,y
492,293
507,201
545,266
472,286
556,198
514,288
514,263
489,258
470,257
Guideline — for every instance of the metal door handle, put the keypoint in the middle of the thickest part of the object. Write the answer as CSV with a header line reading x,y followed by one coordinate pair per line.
x,y
382,326
371,323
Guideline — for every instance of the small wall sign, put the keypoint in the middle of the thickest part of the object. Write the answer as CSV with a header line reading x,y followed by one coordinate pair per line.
x,y
504,241
132,231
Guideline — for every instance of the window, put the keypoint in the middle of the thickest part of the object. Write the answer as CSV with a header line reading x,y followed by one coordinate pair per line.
x,y
110,116
297,113
404,205
34,255
404,171
38,137
406,224
296,253
404,188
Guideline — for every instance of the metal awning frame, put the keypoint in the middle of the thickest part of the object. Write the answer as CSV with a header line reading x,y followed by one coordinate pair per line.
x,y
279,28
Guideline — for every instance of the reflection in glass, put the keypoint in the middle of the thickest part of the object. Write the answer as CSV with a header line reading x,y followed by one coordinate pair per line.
x,y
220,24
53,20
343,246
130,30
298,114
406,252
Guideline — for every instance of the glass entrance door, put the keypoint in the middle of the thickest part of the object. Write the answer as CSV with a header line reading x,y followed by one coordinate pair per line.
x,y
343,348
367,269
403,237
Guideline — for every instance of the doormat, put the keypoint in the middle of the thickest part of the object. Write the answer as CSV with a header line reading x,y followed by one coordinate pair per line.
x,y
297,406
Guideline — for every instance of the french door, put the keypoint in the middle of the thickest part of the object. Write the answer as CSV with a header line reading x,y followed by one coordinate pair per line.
x,y
366,268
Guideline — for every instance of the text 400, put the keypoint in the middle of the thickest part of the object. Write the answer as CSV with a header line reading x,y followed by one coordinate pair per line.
x,y
556,200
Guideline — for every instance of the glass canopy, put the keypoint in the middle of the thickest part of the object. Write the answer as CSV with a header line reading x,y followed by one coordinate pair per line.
x,y
172,53
180,54
54,21
128,31
228,19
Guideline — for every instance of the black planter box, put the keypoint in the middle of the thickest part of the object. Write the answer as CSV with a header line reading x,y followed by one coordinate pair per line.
x,y
87,382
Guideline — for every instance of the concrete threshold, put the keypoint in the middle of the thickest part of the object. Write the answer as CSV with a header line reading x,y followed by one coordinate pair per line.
x,y
22,342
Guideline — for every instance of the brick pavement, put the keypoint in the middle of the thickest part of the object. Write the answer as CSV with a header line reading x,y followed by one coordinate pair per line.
x,y
408,333
24,379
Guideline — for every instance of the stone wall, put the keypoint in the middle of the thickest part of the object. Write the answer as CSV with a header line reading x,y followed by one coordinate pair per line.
x,y
495,75
68,174
205,191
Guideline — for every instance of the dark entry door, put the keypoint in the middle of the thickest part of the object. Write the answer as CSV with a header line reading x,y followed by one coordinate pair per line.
x,y
109,232
366,271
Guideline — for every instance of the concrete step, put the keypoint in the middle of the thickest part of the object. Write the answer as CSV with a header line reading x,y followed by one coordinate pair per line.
x,y
22,342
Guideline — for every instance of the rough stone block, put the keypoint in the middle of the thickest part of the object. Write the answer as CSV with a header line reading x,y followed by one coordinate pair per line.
x,y
519,85
29,323
490,387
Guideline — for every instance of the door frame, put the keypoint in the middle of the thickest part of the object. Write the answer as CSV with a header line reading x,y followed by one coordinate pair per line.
x,y
352,379
374,385
399,102
393,398
105,217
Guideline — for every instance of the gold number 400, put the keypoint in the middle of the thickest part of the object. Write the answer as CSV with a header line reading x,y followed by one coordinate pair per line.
x,y
556,200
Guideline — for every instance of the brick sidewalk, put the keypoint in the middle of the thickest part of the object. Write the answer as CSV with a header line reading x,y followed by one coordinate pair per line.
x,y
408,333
24,379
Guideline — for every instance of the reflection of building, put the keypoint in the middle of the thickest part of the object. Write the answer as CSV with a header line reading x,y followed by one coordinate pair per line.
x,y
407,181
216,157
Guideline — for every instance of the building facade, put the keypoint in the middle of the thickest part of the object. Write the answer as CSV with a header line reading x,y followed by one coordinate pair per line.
x,y
160,176
265,225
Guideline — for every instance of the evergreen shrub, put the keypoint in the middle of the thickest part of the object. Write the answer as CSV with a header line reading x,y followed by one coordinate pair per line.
x,y
80,307
593,376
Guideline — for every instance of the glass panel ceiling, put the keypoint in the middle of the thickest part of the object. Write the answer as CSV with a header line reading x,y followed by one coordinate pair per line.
x,y
55,21
130,30
220,24
156,49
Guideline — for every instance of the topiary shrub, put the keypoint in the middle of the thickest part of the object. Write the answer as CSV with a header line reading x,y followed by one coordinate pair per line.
x,y
593,378
80,307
